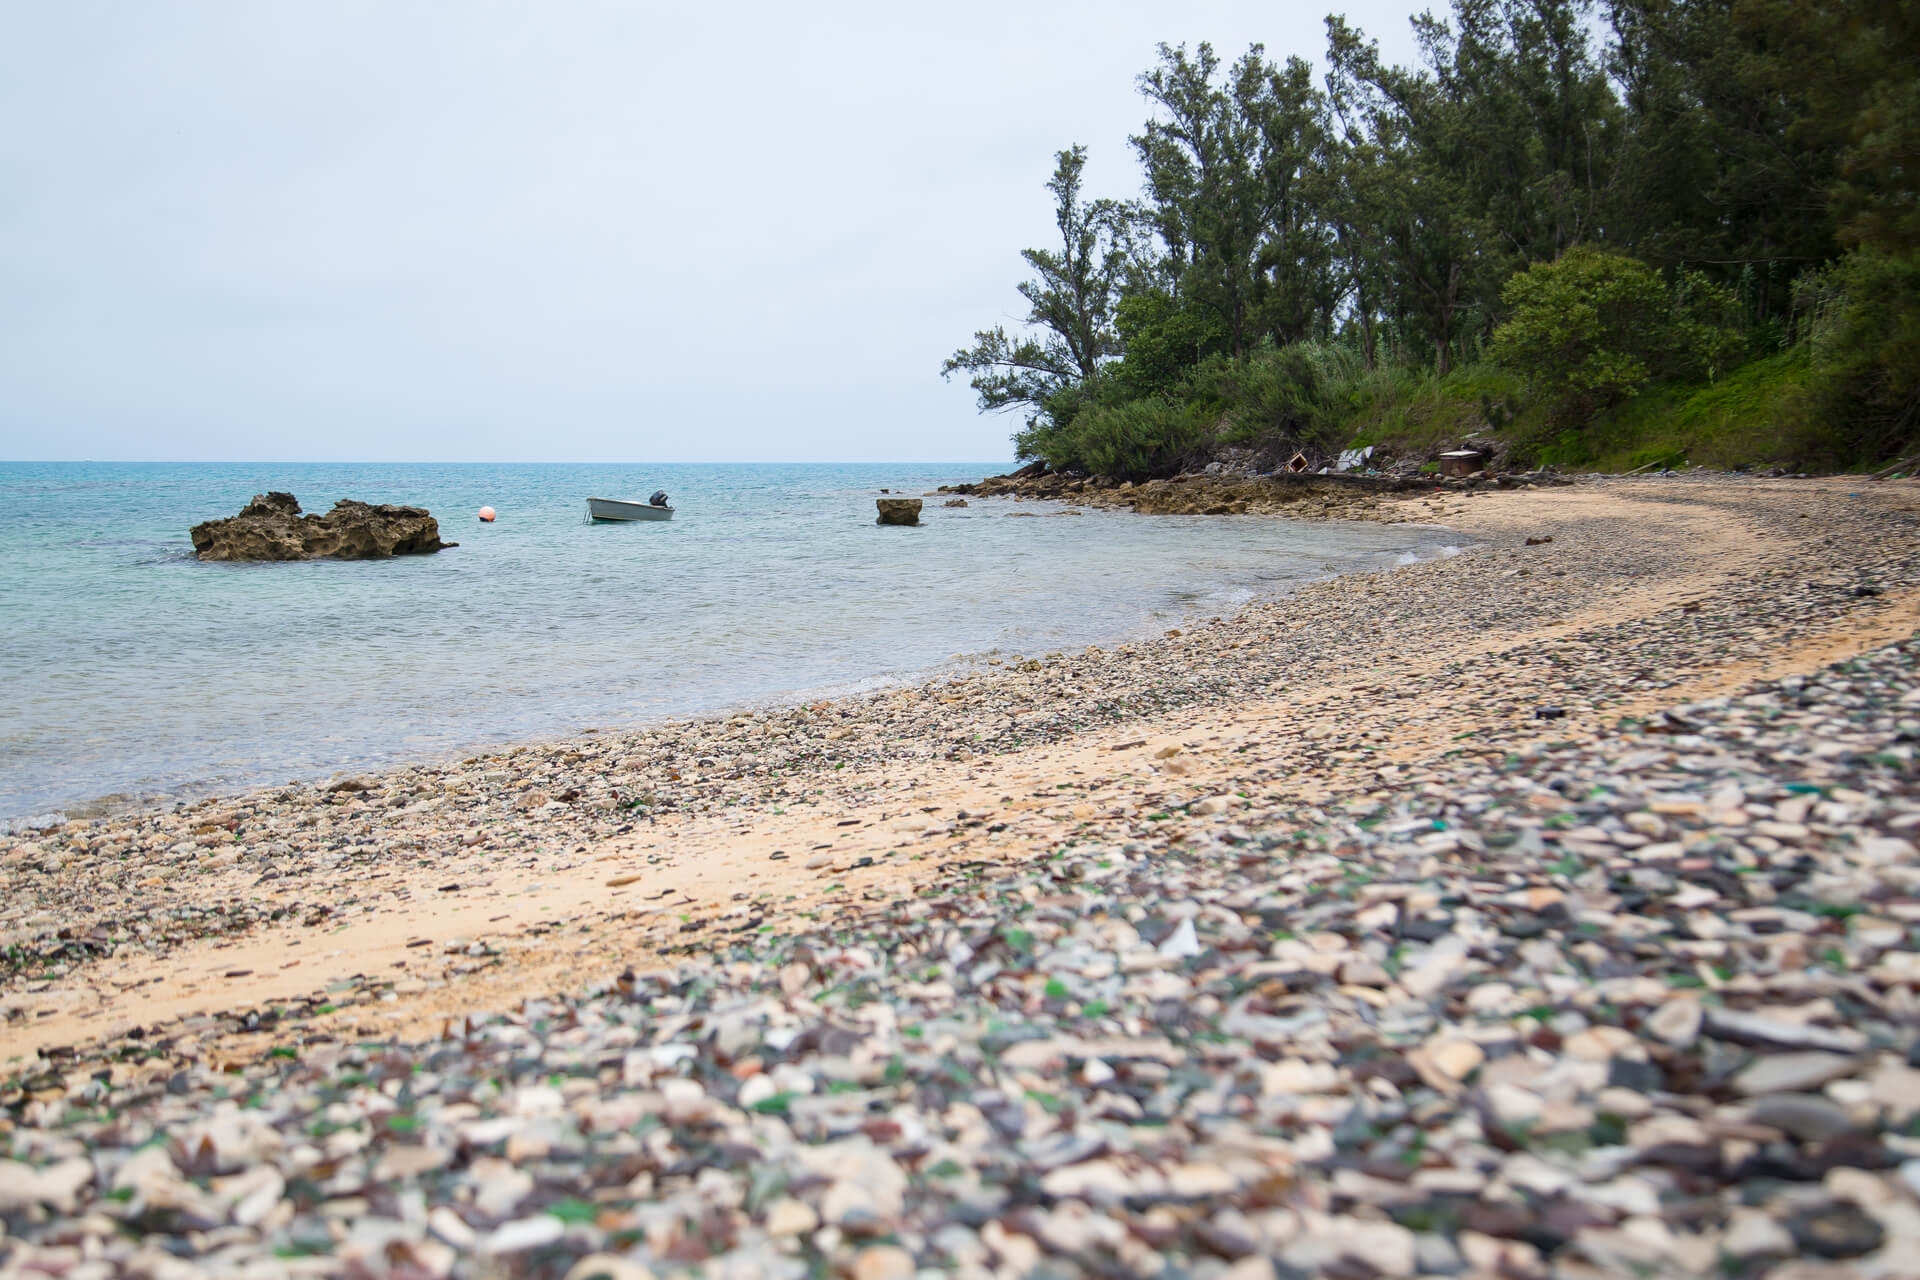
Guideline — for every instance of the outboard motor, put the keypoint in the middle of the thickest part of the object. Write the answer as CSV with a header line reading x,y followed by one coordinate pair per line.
x,y
659,498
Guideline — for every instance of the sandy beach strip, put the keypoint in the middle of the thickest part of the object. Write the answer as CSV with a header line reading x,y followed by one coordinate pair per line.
x,y
1278,815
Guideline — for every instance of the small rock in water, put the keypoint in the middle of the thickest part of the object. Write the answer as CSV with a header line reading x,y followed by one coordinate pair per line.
x,y
898,510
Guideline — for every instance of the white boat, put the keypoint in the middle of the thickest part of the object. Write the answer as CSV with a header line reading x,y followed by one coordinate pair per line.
x,y
619,509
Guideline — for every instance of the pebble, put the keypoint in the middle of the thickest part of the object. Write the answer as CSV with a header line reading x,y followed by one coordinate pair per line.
x,y
1793,1072
1839,1230
1182,943
1910,1174
1752,1233
790,1217
1808,1117
606,1266
1456,1059
522,1234
883,1262
1677,1022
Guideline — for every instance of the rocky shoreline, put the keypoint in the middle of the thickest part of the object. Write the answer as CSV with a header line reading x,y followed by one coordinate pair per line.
x,y
1380,498
1492,916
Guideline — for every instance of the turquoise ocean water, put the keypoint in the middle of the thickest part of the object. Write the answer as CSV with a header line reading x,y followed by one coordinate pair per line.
x,y
133,670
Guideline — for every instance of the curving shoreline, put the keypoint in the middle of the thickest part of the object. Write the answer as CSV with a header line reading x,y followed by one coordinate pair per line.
x,y
1220,765
296,693
544,800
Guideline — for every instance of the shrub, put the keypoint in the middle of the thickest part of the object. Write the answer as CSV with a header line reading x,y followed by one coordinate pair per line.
x,y
1133,440
1585,329
1274,400
1705,337
1163,339
1864,405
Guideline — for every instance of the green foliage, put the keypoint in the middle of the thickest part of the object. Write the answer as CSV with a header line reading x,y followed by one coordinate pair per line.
x,y
1163,338
1275,400
1127,439
1417,411
1690,229
1593,328
1070,304
1233,163
1865,398
1584,329
1755,415
1707,327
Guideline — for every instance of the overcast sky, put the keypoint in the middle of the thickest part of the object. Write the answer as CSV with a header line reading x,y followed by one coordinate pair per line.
x,y
572,231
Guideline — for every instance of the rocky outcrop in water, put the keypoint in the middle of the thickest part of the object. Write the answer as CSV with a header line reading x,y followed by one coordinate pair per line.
x,y
271,527
898,510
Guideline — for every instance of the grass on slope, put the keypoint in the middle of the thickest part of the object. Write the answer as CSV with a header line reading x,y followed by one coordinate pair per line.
x,y
1753,416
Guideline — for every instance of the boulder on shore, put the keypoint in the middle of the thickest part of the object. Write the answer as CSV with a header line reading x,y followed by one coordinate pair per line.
x,y
898,510
271,527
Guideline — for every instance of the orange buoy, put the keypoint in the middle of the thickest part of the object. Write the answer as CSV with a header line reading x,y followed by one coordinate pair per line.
x,y
486,515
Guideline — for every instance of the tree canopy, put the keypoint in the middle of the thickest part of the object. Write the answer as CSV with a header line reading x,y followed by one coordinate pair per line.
x,y
1569,191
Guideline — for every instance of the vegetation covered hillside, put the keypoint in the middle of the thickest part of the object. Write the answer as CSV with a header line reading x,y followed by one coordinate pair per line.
x,y
1655,231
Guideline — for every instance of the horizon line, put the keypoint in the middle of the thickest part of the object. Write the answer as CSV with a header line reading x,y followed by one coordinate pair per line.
x,y
499,462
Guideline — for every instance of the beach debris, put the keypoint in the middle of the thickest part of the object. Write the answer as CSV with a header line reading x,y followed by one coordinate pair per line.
x,y
271,527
